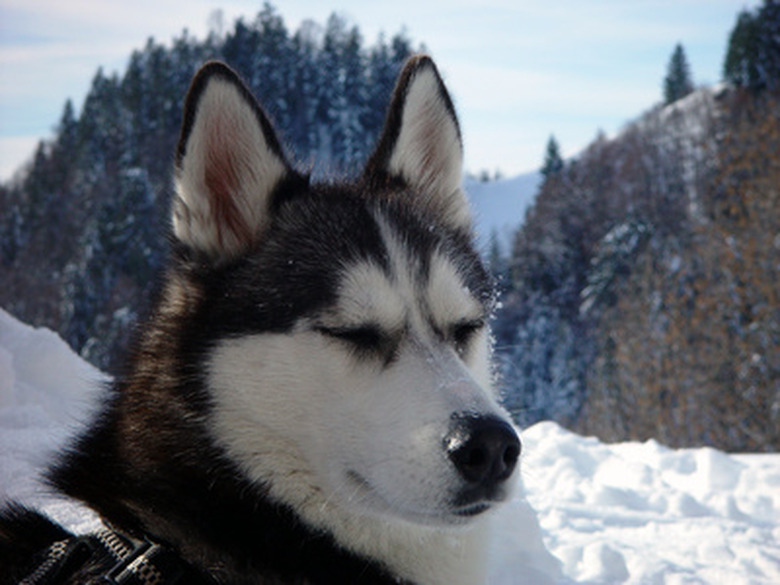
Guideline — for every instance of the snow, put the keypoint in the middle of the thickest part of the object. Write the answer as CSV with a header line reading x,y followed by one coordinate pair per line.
x,y
46,391
643,513
500,206
621,513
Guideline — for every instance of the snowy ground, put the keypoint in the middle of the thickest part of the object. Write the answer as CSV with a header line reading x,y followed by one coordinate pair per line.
x,y
625,513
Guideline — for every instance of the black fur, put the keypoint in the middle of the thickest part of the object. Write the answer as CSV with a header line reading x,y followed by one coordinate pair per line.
x,y
24,536
148,464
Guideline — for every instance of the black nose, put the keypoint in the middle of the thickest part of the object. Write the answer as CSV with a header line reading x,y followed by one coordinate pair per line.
x,y
484,449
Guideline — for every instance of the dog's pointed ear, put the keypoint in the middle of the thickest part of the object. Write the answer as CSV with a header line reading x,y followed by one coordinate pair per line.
x,y
228,165
421,144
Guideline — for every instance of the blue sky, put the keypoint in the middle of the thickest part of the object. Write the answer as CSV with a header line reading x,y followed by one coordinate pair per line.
x,y
519,70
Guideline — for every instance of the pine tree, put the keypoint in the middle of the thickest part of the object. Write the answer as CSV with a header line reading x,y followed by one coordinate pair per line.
x,y
769,43
677,83
355,101
303,82
753,55
65,146
739,67
274,64
497,260
553,163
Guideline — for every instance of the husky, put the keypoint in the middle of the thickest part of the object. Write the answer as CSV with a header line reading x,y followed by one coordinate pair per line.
x,y
310,399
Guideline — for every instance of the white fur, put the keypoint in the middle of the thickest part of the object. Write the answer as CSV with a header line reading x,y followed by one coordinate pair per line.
x,y
305,416
225,135
366,294
428,153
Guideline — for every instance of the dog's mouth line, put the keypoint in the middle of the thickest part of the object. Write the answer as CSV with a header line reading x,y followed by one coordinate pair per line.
x,y
466,511
473,509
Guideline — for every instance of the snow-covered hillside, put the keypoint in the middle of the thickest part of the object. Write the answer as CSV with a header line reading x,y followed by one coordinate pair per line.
x,y
500,205
625,513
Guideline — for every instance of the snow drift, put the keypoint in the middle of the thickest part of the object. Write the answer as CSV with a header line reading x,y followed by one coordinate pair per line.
x,y
623,513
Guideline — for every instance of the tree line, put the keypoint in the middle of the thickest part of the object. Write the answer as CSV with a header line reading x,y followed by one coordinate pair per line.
x,y
80,229
641,294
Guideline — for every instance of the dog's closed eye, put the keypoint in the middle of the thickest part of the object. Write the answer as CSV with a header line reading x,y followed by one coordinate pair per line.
x,y
462,333
367,337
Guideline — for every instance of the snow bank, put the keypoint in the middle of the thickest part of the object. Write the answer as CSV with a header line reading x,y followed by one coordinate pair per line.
x,y
46,392
643,513
625,513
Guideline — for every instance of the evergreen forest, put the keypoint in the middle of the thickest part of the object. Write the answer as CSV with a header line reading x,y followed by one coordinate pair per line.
x,y
80,229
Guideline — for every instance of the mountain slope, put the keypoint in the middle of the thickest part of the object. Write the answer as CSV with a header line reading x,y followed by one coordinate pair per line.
x,y
499,206
643,297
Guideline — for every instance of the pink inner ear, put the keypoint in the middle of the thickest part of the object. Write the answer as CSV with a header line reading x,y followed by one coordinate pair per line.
x,y
432,163
222,180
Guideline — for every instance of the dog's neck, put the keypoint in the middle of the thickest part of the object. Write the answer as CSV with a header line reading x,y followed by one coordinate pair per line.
x,y
417,553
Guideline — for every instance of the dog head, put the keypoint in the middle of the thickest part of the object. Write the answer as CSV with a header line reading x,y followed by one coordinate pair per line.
x,y
347,362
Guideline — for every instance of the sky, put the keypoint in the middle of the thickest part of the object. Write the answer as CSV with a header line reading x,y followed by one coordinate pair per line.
x,y
519,71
